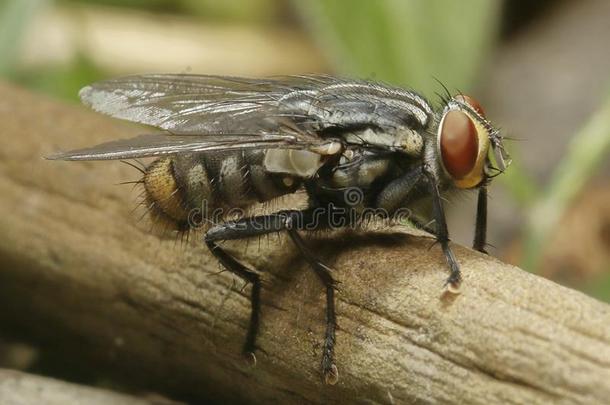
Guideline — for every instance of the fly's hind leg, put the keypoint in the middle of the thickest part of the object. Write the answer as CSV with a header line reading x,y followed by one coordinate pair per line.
x,y
290,221
241,229
249,276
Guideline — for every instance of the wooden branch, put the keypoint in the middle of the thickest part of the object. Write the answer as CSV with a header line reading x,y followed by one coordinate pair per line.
x,y
80,276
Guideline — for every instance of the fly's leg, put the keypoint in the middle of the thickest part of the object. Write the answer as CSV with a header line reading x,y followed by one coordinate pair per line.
x,y
480,235
480,232
249,276
329,369
239,230
393,196
290,221
442,235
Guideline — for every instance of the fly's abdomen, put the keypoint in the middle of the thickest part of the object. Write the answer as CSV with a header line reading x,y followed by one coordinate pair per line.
x,y
211,184
162,191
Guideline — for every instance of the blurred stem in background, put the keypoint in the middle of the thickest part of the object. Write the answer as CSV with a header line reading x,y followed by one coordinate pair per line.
x,y
585,154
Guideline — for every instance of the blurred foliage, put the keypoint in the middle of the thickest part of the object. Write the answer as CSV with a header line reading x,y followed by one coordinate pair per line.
x,y
234,10
225,10
586,152
405,42
14,17
61,81
149,5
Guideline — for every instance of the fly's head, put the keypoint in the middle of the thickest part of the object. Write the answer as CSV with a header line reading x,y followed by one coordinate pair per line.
x,y
464,140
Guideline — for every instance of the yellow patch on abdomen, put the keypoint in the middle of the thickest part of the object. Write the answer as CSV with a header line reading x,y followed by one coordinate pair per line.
x,y
162,190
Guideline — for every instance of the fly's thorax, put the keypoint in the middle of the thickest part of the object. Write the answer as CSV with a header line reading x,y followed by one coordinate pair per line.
x,y
405,140
358,168
359,172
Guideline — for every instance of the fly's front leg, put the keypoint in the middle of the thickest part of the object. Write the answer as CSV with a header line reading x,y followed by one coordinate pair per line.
x,y
329,369
480,232
442,235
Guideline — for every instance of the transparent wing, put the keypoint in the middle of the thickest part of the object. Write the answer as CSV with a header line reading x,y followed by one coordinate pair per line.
x,y
163,144
199,105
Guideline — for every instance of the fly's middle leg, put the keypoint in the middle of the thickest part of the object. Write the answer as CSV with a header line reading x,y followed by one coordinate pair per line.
x,y
290,221
324,273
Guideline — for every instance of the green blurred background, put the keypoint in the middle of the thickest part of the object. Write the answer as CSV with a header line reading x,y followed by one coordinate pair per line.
x,y
539,68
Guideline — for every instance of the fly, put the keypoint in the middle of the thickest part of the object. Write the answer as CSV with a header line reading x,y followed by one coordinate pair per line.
x,y
352,146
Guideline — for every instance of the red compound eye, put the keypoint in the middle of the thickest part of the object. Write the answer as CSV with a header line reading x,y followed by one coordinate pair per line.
x,y
459,144
472,103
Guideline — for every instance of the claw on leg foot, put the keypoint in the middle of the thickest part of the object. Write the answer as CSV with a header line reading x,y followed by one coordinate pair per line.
x,y
453,288
331,375
250,358
452,285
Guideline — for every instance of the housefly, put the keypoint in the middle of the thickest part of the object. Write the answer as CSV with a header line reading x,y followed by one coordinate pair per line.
x,y
351,145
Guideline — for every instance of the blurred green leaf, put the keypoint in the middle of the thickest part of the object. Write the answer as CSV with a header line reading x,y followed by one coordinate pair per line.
x,y
405,42
14,18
